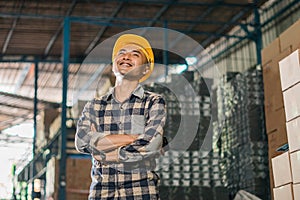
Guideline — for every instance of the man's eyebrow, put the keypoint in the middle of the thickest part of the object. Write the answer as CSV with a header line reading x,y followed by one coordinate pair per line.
x,y
121,50
134,50
137,51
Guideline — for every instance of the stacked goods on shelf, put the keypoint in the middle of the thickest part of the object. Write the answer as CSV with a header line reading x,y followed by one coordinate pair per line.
x,y
191,173
77,178
77,170
242,143
190,168
55,127
281,72
44,121
185,175
190,107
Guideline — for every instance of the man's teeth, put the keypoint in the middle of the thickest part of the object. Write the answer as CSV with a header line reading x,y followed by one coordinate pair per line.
x,y
126,64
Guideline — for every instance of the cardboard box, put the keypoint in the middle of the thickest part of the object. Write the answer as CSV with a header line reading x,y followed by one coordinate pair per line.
x,y
284,192
275,140
289,68
291,99
54,127
271,179
296,190
50,178
78,178
295,166
281,169
293,134
273,102
270,51
290,37
272,84
274,119
50,115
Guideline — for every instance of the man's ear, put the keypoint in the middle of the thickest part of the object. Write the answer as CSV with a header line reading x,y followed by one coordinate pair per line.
x,y
146,69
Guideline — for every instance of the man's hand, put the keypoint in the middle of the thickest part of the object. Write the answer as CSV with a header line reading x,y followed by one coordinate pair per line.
x,y
111,156
111,142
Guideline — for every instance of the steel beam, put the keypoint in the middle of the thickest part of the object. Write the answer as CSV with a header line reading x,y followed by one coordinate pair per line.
x,y
234,19
35,111
44,103
9,35
102,22
23,117
190,3
209,39
79,156
7,104
35,105
157,16
105,20
63,154
58,31
160,13
166,52
281,12
257,35
11,31
191,27
295,2
28,59
103,29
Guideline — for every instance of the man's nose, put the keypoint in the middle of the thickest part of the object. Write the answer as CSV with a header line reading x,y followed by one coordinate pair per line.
x,y
126,56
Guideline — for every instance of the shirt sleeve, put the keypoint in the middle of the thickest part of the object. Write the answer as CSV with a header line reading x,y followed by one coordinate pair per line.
x,y
85,138
149,143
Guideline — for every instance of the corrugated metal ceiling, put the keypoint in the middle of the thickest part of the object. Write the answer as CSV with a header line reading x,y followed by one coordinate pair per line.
x,y
32,30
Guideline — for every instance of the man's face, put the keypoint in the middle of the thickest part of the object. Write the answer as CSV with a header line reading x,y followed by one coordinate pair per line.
x,y
130,62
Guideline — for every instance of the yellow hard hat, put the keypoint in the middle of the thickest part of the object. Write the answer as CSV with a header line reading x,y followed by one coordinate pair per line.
x,y
139,41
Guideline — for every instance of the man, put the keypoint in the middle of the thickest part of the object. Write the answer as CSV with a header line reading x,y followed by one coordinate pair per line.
x,y
123,130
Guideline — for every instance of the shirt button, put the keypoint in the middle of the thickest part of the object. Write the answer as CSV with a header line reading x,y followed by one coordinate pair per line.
x,y
120,125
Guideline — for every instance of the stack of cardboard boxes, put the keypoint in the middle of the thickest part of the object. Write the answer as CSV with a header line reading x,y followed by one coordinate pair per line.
x,y
77,167
44,121
281,72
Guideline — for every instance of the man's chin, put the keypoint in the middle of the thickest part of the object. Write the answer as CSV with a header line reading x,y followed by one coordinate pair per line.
x,y
132,78
124,72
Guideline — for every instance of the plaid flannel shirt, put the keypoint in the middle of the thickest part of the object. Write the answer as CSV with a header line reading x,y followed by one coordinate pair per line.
x,y
133,176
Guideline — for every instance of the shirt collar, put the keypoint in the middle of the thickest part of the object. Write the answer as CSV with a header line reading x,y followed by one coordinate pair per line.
x,y
138,92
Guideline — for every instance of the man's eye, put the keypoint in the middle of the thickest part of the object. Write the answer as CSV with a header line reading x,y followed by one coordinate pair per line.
x,y
136,54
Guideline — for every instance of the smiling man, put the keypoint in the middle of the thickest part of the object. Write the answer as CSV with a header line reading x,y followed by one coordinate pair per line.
x,y
123,130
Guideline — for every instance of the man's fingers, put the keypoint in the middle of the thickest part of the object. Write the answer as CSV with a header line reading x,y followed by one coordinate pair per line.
x,y
97,157
93,128
112,156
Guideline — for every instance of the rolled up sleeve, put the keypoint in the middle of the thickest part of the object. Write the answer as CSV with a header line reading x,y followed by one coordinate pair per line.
x,y
85,138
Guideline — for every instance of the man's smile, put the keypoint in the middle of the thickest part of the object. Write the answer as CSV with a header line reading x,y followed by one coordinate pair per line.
x,y
125,64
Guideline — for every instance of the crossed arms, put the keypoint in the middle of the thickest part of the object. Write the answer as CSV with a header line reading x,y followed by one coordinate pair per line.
x,y
121,147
